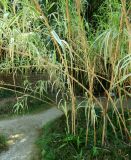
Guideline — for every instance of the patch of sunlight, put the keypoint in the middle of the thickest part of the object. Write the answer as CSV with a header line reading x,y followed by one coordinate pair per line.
x,y
16,136
23,140
10,142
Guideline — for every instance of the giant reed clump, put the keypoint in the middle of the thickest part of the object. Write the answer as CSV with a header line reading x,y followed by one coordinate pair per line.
x,y
57,39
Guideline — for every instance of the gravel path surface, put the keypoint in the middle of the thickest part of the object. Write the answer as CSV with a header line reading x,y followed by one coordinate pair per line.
x,y
23,132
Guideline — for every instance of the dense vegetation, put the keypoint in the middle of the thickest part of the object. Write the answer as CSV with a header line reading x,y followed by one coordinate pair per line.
x,y
55,143
83,48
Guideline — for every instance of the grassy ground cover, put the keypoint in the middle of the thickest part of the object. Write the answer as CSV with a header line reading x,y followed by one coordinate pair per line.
x,y
56,143
3,142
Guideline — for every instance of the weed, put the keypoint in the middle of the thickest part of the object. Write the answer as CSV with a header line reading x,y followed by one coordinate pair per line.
x,y
3,142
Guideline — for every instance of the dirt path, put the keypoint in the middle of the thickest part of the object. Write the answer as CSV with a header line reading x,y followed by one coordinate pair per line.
x,y
22,133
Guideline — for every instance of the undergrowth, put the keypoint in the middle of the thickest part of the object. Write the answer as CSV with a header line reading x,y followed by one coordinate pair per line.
x,y
8,109
11,106
55,143
3,142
